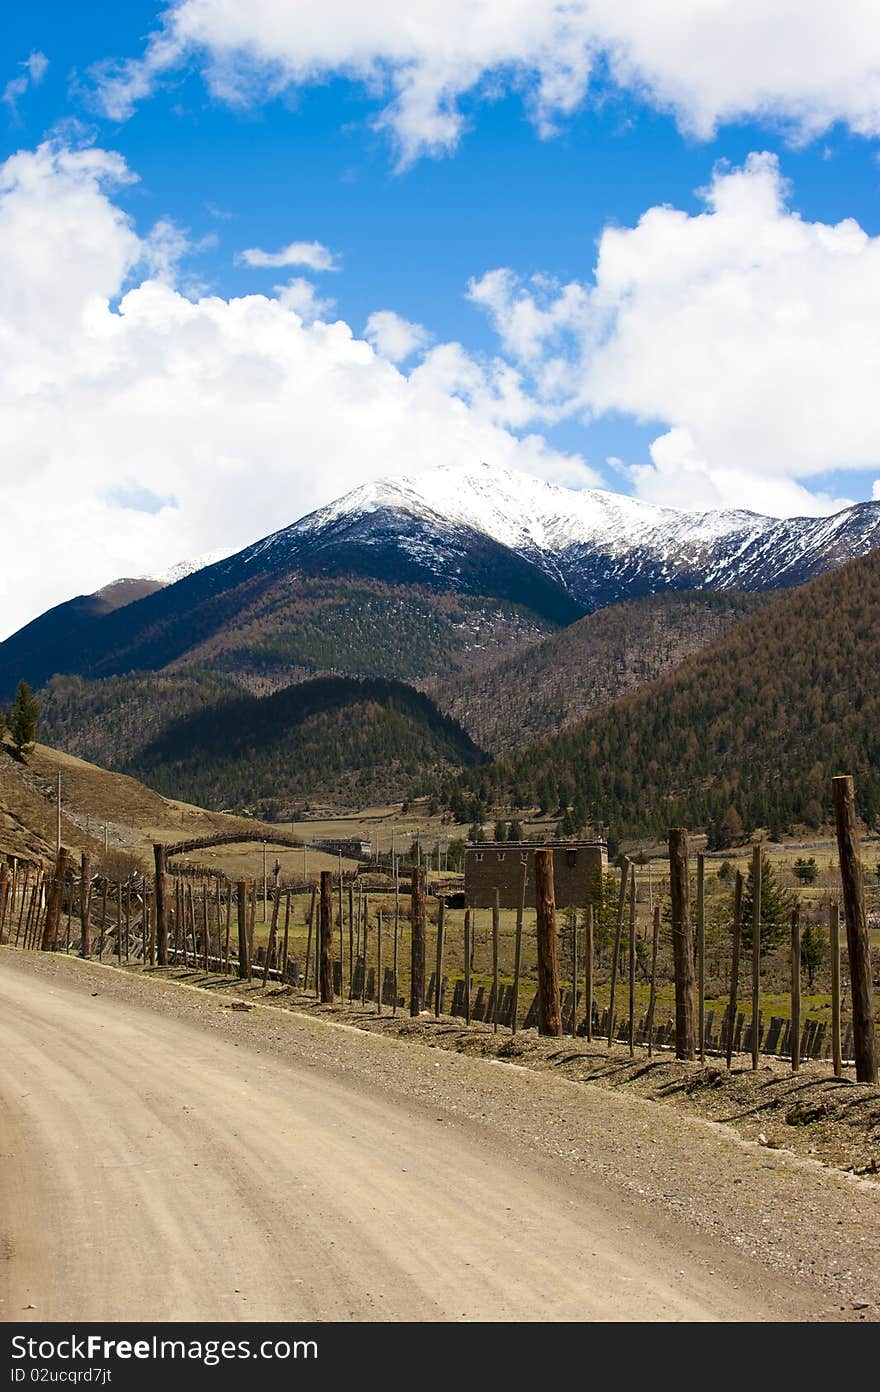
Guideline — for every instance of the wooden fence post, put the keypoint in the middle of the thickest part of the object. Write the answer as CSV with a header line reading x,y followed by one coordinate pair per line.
x,y
417,978
119,923
757,868
24,890
53,902
4,890
325,924
468,933
621,907
652,998
549,1014
286,942
379,962
309,954
858,946
682,943
496,929
270,946
517,952
396,935
366,938
438,973
632,959
734,966
341,937
161,905
574,972
85,905
242,904
228,928
588,972
795,989
834,946
701,955
251,928
350,942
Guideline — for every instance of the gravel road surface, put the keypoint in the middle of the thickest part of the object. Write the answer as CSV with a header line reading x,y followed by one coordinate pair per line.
x,y
168,1157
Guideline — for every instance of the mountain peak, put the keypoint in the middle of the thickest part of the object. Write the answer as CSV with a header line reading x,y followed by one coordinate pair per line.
x,y
528,514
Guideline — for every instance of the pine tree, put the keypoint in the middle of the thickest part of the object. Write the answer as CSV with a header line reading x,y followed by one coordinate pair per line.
x,y
515,831
500,831
813,947
776,906
23,715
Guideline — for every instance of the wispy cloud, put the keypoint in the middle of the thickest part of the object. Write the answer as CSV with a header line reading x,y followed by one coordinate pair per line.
x,y
313,255
35,66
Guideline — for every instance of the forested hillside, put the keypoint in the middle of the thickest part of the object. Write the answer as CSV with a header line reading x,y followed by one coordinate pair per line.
x,y
755,725
330,738
553,683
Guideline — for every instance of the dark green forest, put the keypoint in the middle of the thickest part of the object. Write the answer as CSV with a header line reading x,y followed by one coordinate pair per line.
x,y
331,738
749,731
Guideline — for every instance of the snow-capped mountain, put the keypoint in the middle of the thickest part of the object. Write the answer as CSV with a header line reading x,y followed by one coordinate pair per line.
x,y
423,575
598,546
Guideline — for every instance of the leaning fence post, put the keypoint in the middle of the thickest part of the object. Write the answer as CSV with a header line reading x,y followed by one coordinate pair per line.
x,y
858,946
757,867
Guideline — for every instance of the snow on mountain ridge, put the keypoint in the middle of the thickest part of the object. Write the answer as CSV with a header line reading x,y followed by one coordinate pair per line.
x,y
527,513
184,568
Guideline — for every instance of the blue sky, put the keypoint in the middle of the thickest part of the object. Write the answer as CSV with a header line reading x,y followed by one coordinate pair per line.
x,y
289,157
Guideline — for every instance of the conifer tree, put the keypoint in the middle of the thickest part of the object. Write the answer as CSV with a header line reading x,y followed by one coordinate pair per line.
x,y
23,715
776,906
813,948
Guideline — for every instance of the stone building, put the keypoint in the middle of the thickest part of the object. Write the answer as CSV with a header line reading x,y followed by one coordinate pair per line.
x,y
491,865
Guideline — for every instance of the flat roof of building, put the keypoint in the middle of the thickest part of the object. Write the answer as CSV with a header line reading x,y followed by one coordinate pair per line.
x,y
536,845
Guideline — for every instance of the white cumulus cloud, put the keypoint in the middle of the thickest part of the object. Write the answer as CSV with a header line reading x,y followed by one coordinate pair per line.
x,y
393,336
302,297
748,330
141,426
804,63
313,255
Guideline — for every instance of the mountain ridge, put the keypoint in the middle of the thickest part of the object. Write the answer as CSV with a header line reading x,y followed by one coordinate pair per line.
x,y
504,541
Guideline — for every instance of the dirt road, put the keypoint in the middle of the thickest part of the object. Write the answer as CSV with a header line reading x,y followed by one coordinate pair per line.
x,y
165,1157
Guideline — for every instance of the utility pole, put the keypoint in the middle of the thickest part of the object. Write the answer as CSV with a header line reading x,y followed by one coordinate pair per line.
x,y
265,886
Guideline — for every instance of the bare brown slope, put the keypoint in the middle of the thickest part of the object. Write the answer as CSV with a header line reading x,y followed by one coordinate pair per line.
x,y
557,681
135,816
